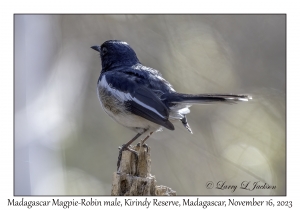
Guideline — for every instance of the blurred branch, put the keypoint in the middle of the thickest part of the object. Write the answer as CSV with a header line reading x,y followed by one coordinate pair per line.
x,y
134,178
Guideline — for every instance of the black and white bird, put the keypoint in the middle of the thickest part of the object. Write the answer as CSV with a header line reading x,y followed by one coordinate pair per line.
x,y
139,98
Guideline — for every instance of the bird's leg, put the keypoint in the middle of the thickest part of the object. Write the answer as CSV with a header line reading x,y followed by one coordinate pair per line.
x,y
125,147
143,141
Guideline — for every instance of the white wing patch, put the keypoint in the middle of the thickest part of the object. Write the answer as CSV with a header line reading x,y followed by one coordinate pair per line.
x,y
121,96
147,107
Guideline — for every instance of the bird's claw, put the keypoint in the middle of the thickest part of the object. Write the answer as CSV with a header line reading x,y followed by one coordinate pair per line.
x,y
123,148
146,146
143,145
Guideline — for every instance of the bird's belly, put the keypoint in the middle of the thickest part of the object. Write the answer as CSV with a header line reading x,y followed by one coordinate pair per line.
x,y
116,109
134,122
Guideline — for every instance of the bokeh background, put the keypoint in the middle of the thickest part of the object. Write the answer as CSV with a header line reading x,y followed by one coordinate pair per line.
x,y
65,144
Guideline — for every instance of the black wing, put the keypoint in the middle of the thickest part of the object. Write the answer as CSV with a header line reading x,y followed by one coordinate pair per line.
x,y
138,99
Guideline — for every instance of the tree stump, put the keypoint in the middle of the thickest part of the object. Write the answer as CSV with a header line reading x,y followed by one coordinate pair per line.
x,y
134,177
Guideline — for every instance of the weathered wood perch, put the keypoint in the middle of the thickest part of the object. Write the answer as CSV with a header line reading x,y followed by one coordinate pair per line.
x,y
136,179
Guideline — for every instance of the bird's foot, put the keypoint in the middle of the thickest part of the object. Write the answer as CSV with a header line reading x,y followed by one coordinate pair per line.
x,y
143,145
123,148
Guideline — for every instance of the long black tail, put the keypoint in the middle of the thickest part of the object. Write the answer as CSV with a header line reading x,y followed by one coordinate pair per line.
x,y
207,98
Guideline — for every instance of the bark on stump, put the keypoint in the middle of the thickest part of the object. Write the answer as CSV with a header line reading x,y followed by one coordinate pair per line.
x,y
135,178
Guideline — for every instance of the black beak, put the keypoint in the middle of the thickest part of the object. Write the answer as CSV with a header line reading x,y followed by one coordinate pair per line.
x,y
97,48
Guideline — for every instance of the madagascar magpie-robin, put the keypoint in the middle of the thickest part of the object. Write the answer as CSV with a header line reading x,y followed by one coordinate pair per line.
x,y
139,98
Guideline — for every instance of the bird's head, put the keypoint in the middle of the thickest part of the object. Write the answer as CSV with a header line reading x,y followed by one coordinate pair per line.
x,y
115,53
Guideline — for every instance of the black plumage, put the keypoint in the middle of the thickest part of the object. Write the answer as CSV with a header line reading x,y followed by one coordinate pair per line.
x,y
139,98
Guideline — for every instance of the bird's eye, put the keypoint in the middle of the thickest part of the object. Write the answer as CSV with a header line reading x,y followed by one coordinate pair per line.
x,y
104,50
